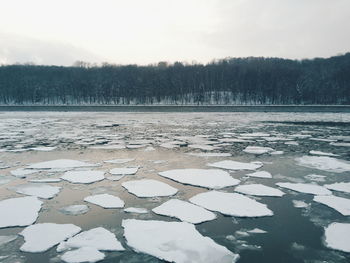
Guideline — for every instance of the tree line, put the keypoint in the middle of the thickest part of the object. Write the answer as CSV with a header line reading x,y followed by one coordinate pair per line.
x,y
251,80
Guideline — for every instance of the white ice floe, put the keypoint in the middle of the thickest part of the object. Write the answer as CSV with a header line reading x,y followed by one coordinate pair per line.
x,y
258,190
210,154
149,188
84,254
136,210
124,171
118,161
46,180
313,189
257,231
22,172
299,204
258,150
260,174
178,242
75,210
43,149
323,153
20,211
115,177
324,163
60,164
39,190
209,178
233,165
83,177
231,204
105,200
99,238
43,236
277,152
315,177
184,211
342,205
340,187
337,236
7,239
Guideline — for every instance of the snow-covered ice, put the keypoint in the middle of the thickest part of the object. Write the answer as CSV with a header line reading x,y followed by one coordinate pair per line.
x,y
39,190
260,174
258,150
149,188
323,153
60,164
184,211
118,161
75,209
324,163
231,204
136,210
43,149
46,180
99,238
83,177
306,188
299,204
210,154
124,171
342,205
233,165
105,200
20,211
178,242
43,236
209,178
340,187
22,172
258,190
84,254
337,236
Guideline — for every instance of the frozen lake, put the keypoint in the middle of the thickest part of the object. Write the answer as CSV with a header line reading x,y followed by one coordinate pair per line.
x,y
305,153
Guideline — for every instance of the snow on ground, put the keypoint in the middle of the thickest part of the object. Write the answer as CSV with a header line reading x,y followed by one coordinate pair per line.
x,y
105,200
84,254
99,238
324,163
260,174
39,190
258,150
43,236
337,236
231,204
233,165
136,210
20,211
22,172
323,153
118,161
313,189
149,188
340,187
75,210
209,178
60,164
178,242
184,211
83,177
258,190
124,171
342,205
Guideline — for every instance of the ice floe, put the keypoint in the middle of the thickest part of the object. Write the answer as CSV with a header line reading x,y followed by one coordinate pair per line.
x,y
299,204
306,188
22,172
60,164
105,200
118,161
209,178
233,165
178,242
136,210
124,171
210,154
231,204
75,209
184,211
46,180
43,149
7,239
324,163
323,153
337,236
21,211
149,188
84,254
43,236
258,190
99,238
340,187
83,177
260,174
258,150
39,190
340,204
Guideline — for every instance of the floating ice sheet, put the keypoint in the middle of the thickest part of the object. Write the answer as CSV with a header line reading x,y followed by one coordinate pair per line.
x,y
260,174
258,150
83,177
233,165
209,178
124,171
306,188
258,190
323,153
84,254
118,161
22,172
324,163
149,188
210,154
184,211
231,204
340,187
165,240
59,164
342,205
39,190
75,209
105,200
337,236
136,210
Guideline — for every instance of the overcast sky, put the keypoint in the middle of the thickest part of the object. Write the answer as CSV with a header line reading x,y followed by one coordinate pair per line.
x,y
146,31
